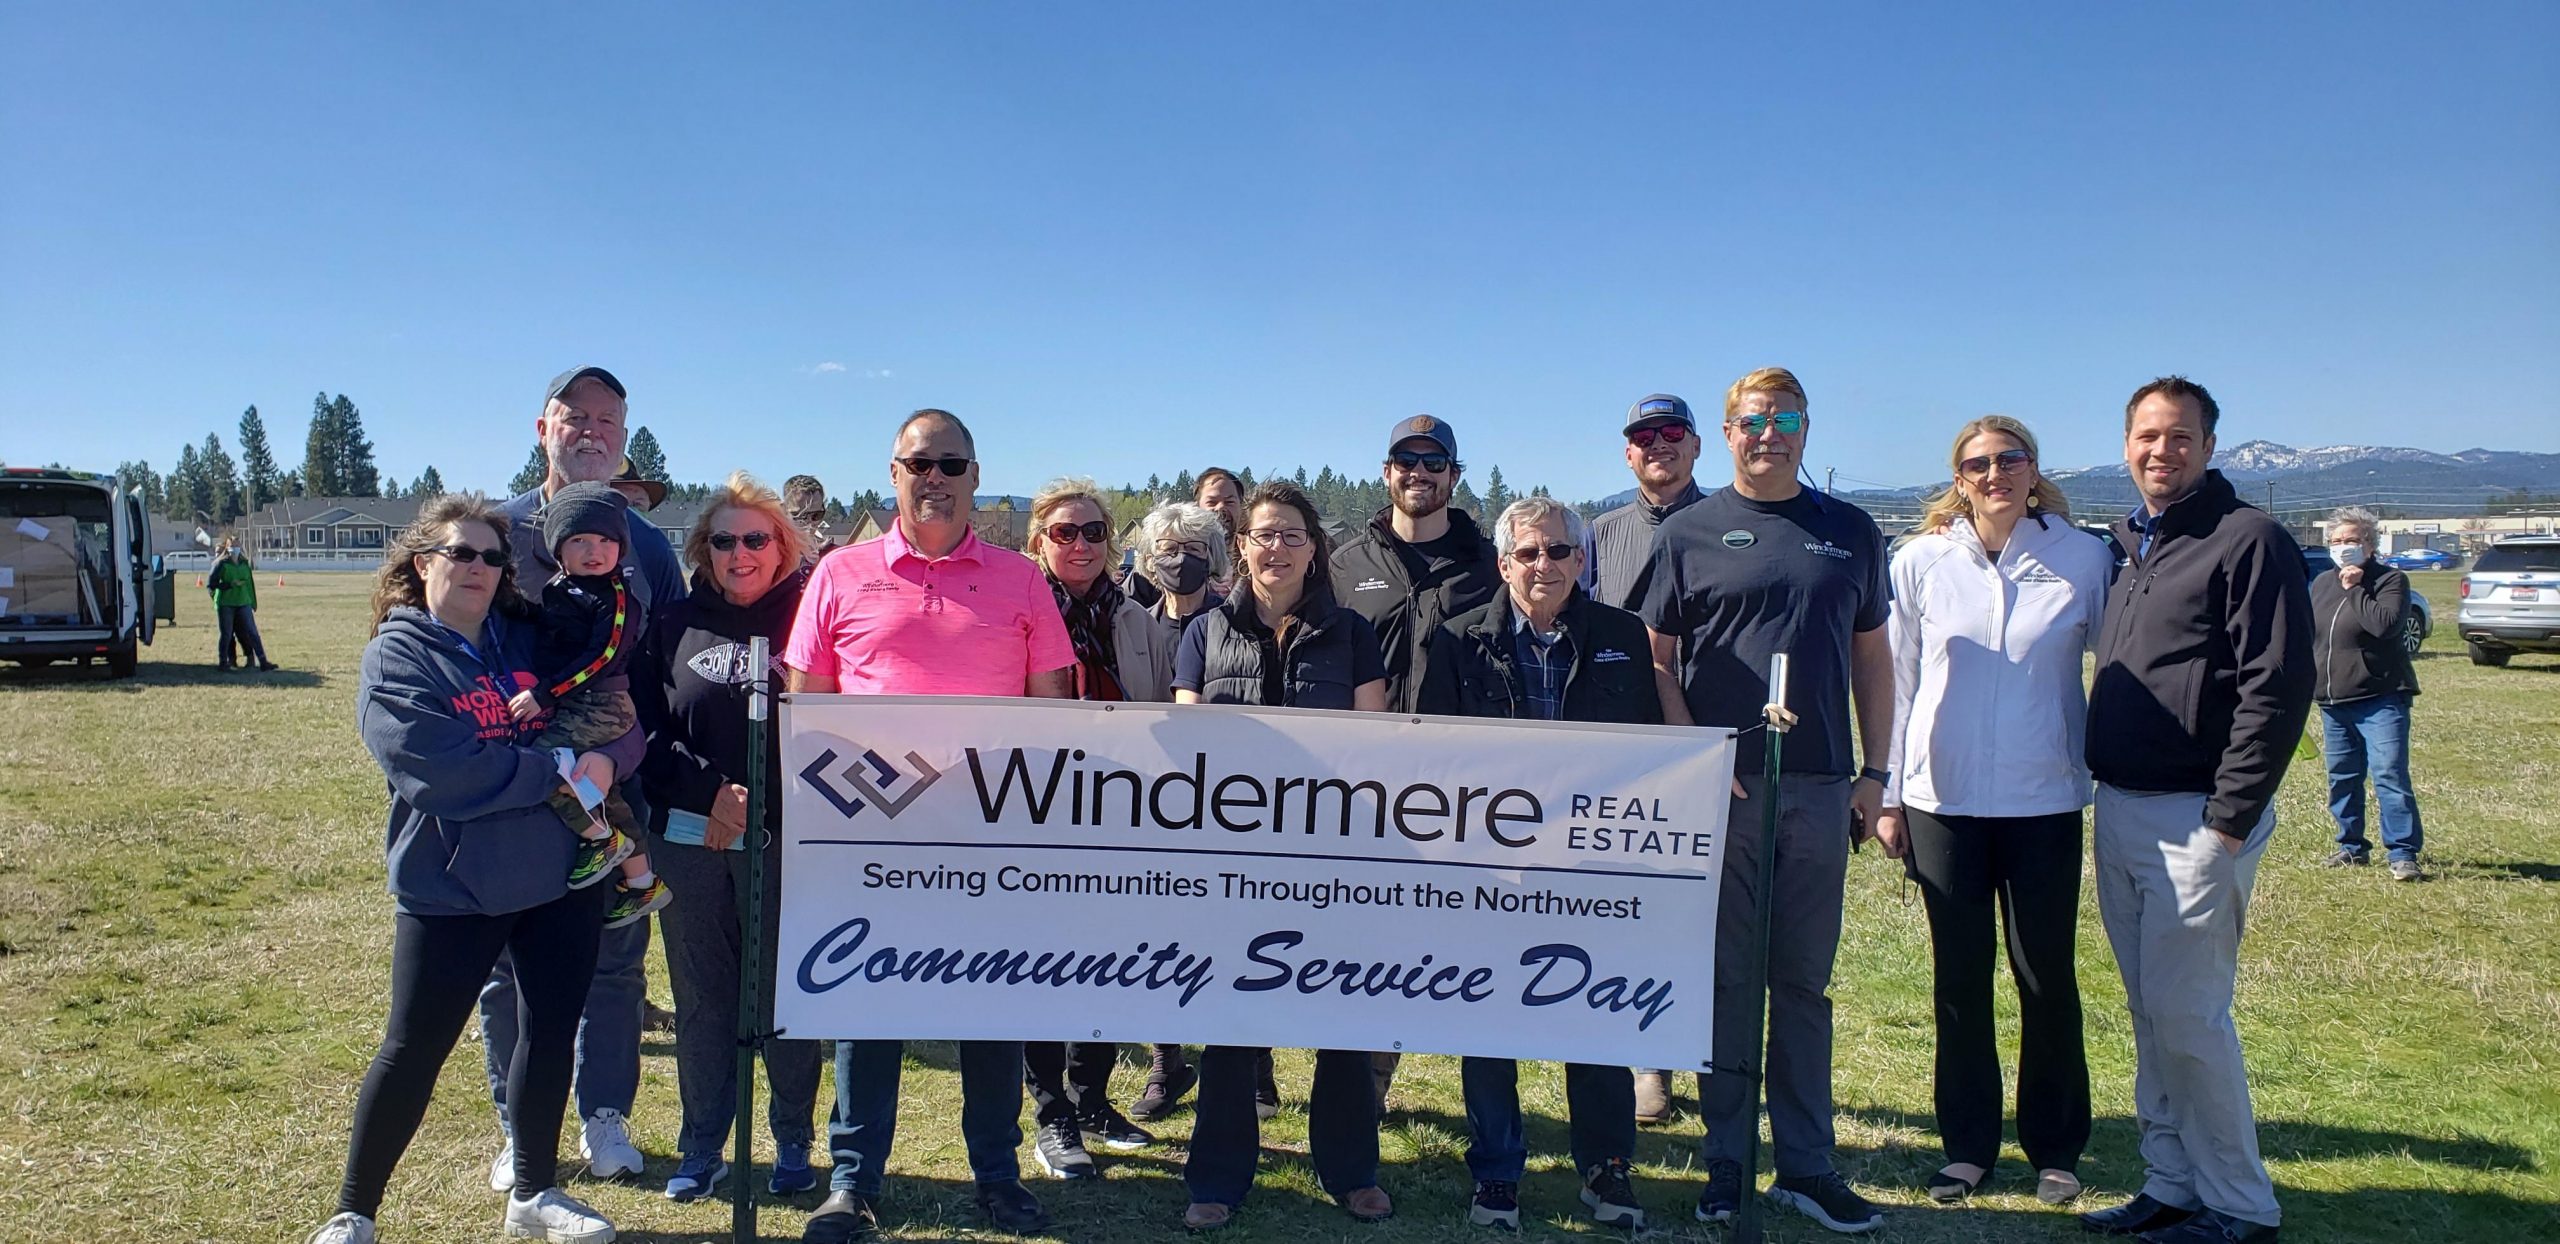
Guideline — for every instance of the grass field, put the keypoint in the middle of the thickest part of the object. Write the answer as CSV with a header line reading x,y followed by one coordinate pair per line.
x,y
193,960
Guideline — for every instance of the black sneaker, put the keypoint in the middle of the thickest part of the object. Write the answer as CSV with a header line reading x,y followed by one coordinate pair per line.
x,y
1169,1076
2346,857
1060,1148
1609,1192
1827,1199
843,1218
1266,1090
1114,1129
1012,1208
1497,1204
1723,1196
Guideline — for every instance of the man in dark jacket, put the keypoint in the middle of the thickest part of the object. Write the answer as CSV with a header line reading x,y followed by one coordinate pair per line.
x,y
2204,681
2359,608
1544,651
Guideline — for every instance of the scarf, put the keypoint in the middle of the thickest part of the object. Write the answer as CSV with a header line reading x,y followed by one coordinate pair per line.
x,y
1089,628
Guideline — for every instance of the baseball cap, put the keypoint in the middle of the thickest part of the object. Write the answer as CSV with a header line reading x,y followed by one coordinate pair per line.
x,y
560,383
1428,428
1659,406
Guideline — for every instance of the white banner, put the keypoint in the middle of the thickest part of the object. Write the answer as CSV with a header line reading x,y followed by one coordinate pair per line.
x,y
1051,870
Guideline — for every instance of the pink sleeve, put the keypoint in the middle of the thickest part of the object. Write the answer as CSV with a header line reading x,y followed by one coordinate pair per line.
x,y
812,649
1050,647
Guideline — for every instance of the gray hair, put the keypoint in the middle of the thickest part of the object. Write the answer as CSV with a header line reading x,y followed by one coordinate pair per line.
x,y
1534,511
2355,516
1184,520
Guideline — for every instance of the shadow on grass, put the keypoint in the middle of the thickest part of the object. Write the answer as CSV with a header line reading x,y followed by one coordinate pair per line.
x,y
2510,870
2292,1140
156,674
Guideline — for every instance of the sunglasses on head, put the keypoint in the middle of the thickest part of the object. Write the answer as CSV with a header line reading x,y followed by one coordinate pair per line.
x,y
1411,461
1093,533
464,554
756,541
1528,554
2009,461
1668,434
953,466
1788,423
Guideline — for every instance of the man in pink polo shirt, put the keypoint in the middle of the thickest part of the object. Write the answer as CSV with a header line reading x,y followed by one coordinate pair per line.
x,y
928,609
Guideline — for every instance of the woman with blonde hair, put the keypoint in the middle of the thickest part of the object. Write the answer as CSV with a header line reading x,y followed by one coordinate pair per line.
x,y
1993,606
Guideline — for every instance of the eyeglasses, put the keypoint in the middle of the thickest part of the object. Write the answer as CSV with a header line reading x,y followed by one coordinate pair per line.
x,y
1788,423
2007,461
1278,537
809,518
1198,548
1528,554
1669,433
464,554
953,466
754,540
1093,533
1406,459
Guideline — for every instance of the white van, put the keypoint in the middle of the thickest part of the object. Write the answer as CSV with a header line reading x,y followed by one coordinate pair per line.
x,y
76,569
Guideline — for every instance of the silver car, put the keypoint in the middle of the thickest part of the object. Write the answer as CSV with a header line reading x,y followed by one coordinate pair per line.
x,y
2511,600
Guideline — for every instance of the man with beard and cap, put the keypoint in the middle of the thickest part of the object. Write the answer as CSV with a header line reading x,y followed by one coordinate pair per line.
x,y
582,429
1416,565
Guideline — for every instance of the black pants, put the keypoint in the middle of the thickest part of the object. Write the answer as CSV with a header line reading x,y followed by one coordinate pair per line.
x,y
1067,1078
2029,869
237,628
1226,1136
438,964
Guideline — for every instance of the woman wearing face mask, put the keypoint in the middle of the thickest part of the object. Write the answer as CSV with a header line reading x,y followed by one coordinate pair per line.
x,y
1993,606
2365,688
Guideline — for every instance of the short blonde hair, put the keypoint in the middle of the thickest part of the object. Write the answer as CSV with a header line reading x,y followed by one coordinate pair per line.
x,y
742,491
1765,380
1056,494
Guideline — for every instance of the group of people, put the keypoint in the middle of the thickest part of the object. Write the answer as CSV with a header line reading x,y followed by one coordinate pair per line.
x,y
1976,747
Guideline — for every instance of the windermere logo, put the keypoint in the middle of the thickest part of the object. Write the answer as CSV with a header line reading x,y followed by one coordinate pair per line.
x,y
871,780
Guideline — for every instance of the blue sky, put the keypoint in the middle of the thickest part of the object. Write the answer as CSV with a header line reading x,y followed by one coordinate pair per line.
x,y
1123,239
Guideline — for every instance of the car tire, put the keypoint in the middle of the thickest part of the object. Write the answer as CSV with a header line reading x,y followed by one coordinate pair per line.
x,y
2482,654
123,660
2413,635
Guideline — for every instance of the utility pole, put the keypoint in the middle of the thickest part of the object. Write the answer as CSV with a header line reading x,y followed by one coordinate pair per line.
x,y
1827,481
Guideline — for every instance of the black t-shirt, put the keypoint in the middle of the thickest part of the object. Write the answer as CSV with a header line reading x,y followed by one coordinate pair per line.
x,y
1453,545
1739,580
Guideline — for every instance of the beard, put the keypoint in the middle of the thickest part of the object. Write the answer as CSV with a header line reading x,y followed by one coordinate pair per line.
x,y
1412,506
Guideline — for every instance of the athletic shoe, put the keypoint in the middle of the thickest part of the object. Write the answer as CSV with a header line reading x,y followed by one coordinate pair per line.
x,y
1722,1198
1368,1204
2405,870
557,1217
1653,1096
595,858
696,1177
344,1229
1497,1204
1012,1208
2345,857
630,904
1061,1151
268,667
1827,1199
1609,1192
502,1169
791,1174
843,1218
1169,1076
605,1142
1114,1129
1266,1091
655,1018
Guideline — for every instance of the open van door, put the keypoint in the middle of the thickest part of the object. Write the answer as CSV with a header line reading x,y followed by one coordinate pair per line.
x,y
141,567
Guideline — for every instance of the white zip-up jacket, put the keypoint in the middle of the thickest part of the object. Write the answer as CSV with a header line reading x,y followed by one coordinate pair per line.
x,y
1989,708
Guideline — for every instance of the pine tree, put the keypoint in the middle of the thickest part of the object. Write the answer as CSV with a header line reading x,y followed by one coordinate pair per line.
x,y
1186,486
1496,493
391,487
322,476
536,469
1465,499
355,453
648,461
257,462
289,484
219,481
429,484
184,495
138,477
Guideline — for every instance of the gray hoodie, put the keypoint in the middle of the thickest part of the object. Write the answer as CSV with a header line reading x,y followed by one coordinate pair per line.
x,y
471,830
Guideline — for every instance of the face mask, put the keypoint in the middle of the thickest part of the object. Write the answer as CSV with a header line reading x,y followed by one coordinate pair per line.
x,y
2347,555
1182,575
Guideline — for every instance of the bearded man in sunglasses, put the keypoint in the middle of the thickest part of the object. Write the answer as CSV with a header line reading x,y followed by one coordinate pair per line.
x,y
1662,453
928,608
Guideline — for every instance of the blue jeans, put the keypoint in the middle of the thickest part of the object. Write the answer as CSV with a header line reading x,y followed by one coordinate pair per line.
x,y
608,1033
1600,1102
2371,736
865,1121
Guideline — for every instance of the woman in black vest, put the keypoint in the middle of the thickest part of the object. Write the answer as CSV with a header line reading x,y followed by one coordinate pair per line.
x,y
1281,641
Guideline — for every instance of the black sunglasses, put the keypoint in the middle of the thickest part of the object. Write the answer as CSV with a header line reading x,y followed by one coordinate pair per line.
x,y
2008,460
953,466
808,517
1094,532
1409,460
754,540
464,554
1528,554
1669,434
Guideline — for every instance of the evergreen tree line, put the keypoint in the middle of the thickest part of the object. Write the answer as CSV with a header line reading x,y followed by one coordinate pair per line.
x,y
211,487
1341,498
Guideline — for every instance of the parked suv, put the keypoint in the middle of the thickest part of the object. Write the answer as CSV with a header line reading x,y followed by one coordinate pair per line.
x,y
76,569
2511,599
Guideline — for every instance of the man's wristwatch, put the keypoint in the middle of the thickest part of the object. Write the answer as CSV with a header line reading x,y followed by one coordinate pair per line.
x,y
1877,776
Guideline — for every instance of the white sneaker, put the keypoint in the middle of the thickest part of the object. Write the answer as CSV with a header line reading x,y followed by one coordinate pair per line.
x,y
605,1142
502,1169
557,1217
344,1229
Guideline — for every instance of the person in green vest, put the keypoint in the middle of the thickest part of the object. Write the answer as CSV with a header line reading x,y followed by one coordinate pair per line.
x,y
233,584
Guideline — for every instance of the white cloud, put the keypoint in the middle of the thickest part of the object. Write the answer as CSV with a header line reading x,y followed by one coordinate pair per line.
x,y
824,368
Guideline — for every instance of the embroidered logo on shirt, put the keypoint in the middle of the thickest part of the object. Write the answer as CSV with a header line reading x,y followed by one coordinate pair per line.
x,y
1606,655
1740,538
2038,574
1371,585
880,585
1828,549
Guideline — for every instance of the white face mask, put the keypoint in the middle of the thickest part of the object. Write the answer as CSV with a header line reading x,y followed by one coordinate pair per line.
x,y
2347,555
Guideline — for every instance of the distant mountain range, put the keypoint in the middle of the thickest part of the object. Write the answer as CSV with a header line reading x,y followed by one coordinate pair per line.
x,y
2405,480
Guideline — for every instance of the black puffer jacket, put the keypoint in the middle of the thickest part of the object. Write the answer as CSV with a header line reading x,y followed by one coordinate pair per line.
x,y
1474,671
1319,667
690,686
2358,651
1406,596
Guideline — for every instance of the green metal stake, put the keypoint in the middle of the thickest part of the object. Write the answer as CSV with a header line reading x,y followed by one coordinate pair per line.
x,y
1747,1227
751,1003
